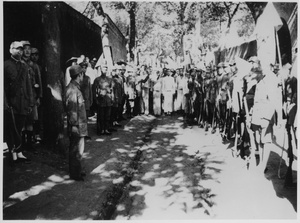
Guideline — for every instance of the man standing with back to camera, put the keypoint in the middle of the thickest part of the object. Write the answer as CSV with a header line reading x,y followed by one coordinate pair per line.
x,y
77,122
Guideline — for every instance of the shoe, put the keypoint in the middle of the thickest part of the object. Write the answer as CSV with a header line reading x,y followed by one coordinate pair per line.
x,y
23,160
83,174
117,124
106,132
87,137
77,178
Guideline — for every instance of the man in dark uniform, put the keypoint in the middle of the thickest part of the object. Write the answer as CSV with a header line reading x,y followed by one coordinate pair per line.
x,y
222,95
210,89
77,122
18,100
121,73
38,125
33,71
118,90
103,95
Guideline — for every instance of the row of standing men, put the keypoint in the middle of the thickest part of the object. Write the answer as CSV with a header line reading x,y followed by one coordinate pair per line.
x,y
246,106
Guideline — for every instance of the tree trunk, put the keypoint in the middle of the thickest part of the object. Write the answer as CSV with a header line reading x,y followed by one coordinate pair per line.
x,y
53,97
132,33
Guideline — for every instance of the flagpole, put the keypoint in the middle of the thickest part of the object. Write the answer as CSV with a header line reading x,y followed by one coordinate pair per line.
x,y
278,49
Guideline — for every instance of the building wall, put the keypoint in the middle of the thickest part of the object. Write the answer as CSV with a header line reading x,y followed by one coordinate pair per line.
x,y
117,41
79,35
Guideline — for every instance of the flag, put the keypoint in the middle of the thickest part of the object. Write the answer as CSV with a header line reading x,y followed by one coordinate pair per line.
x,y
267,24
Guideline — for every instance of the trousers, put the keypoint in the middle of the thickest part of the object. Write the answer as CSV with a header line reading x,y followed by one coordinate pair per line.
x,y
103,118
13,130
76,150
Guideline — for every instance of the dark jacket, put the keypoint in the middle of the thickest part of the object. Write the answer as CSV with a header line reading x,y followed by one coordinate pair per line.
x,y
103,91
17,86
76,114
86,89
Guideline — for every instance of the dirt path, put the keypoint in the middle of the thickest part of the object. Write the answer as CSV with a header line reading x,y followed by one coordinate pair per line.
x,y
190,174
150,169
43,190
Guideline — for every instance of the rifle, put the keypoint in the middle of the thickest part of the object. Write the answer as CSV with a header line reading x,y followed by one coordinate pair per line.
x,y
235,151
252,140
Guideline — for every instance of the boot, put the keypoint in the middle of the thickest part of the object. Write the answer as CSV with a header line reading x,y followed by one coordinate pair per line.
x,y
29,140
24,139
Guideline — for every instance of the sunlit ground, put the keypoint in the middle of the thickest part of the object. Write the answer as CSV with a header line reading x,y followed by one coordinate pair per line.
x,y
228,190
172,184
52,181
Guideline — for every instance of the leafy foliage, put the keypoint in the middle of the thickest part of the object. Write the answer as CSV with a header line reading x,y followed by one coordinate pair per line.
x,y
161,26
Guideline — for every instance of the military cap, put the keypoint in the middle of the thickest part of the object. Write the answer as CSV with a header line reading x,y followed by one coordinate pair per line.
x,y
120,62
75,70
25,42
83,63
34,50
16,45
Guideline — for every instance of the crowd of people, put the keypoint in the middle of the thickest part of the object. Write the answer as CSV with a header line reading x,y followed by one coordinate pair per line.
x,y
22,98
244,106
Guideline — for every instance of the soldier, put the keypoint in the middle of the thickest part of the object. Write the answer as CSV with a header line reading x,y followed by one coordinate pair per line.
x,y
263,111
121,73
118,89
86,89
72,61
34,74
129,89
141,78
222,96
93,74
38,125
77,122
290,113
18,100
193,97
210,109
103,95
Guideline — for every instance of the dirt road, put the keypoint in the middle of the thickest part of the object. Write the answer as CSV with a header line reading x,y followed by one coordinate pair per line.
x,y
151,169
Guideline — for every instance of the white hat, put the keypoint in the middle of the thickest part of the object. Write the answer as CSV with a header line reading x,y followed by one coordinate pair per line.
x,y
25,42
15,45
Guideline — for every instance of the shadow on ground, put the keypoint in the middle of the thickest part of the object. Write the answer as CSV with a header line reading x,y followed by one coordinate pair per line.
x,y
170,178
43,190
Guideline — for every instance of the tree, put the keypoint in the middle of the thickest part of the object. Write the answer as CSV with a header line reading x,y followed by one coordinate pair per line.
x,y
256,9
131,8
54,109
225,11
